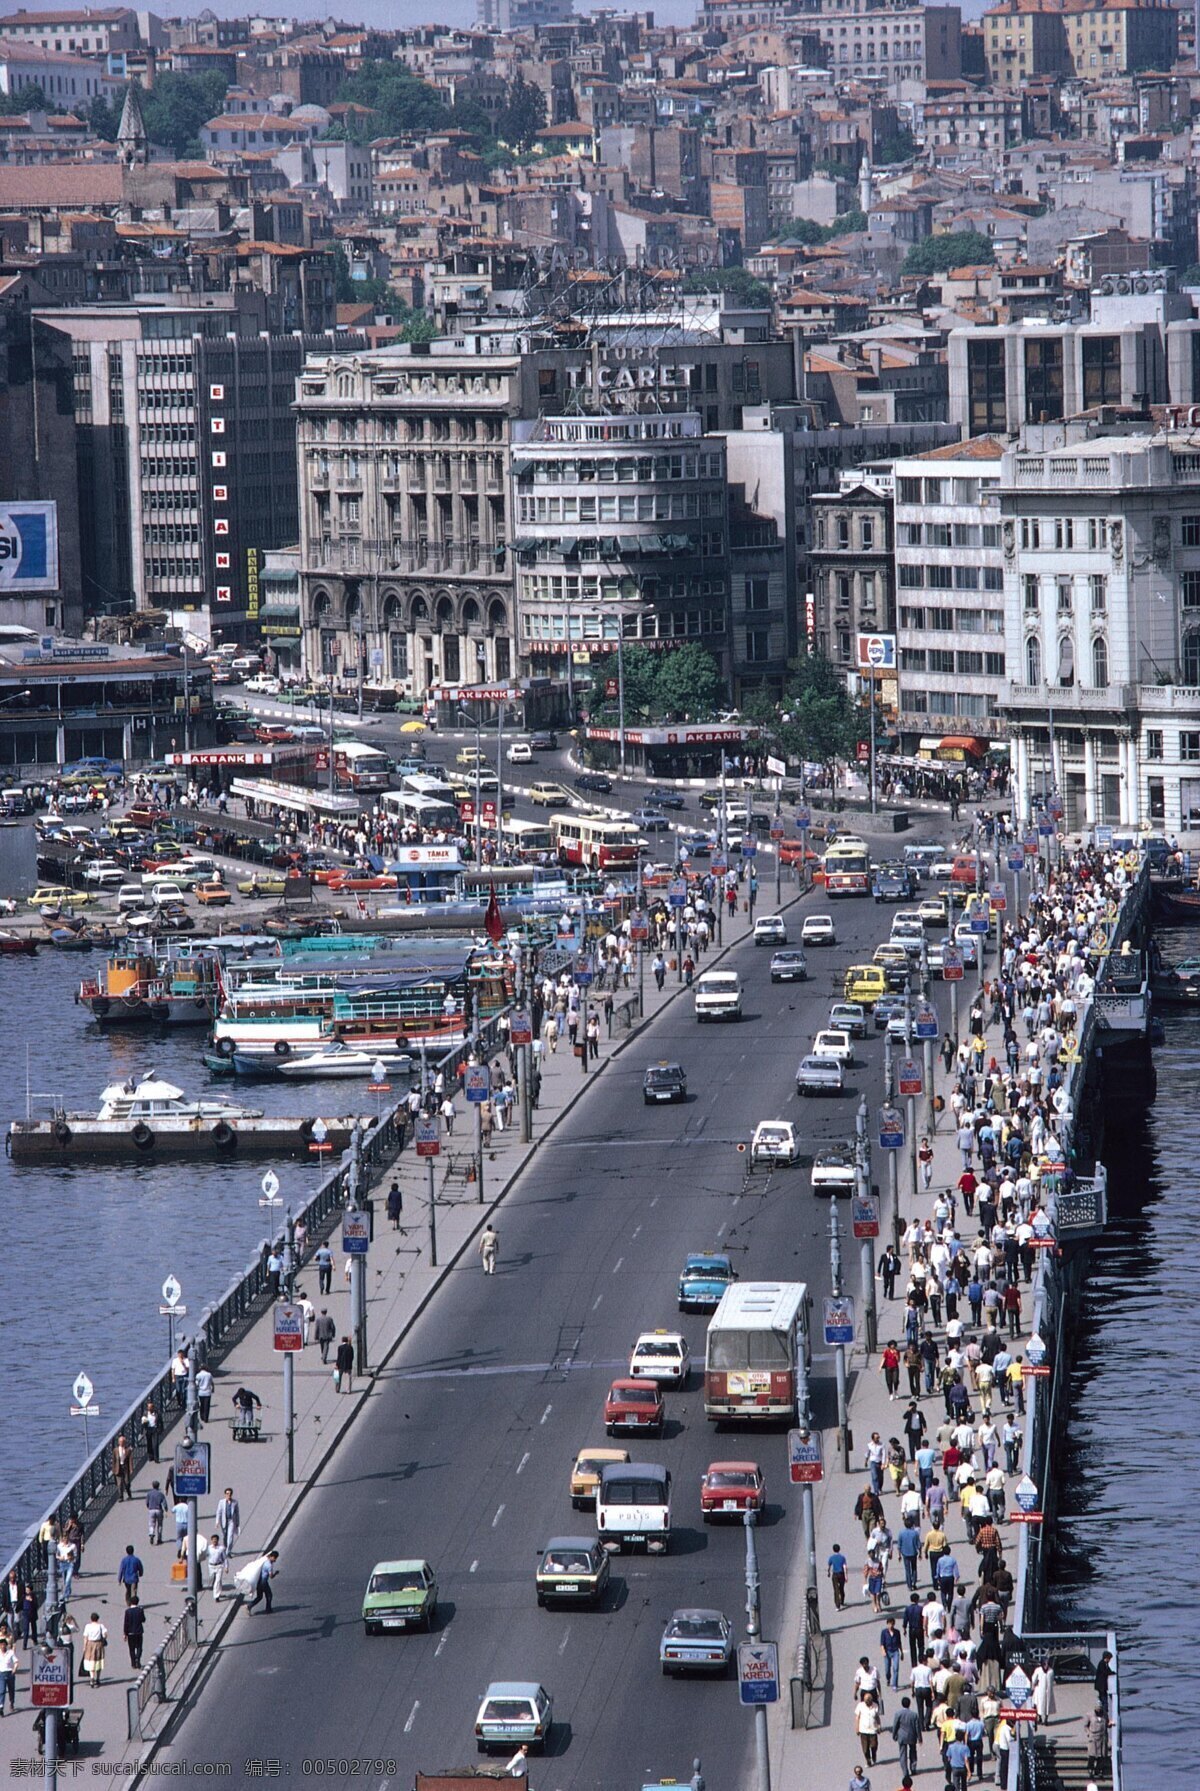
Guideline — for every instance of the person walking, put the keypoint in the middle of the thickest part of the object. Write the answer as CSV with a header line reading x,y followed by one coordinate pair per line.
x,y
130,1572
343,1370
259,1575
891,1645
122,1468
1095,1733
133,1628
274,1273
149,1426
889,1368
324,1261
8,1674
925,1159
906,1733
228,1519
866,1726
204,1392
95,1644
837,1568
218,1560
179,1511
489,1248
156,1510
395,1201
324,1330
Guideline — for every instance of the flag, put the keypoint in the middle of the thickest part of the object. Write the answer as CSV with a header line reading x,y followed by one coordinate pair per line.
x,y
493,920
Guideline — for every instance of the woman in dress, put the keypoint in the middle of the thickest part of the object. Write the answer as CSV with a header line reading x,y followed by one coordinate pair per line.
x,y
95,1642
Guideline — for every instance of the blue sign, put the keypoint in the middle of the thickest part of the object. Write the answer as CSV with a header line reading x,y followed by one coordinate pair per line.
x,y
1104,839
839,1319
891,1128
926,1024
676,895
29,547
1016,859
193,1470
803,819
718,863
477,1083
749,848
758,1673
356,1233
980,924
583,976
1045,826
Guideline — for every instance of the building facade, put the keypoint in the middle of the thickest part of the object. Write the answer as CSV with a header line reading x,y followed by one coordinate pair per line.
x,y
852,567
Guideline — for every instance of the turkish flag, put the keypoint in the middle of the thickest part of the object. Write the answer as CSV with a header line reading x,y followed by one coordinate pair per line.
x,y
493,920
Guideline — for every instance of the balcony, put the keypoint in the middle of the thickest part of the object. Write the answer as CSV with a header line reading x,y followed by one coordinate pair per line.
x,y
1163,699
1070,698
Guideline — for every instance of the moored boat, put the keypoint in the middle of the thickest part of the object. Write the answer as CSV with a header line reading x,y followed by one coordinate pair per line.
x,y
138,988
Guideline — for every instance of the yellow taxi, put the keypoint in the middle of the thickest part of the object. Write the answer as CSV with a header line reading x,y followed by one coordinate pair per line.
x,y
469,755
585,1475
865,983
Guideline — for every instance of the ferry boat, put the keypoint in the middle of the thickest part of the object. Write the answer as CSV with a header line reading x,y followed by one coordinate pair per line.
x,y
138,988
142,1119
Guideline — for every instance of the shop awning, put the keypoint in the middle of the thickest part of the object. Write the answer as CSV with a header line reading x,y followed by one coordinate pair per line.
x,y
962,743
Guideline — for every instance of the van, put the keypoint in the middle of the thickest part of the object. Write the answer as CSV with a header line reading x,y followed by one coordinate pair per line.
x,y
719,996
864,983
965,867
633,1506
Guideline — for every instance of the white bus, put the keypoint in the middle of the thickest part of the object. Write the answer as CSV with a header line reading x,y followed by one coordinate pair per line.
x,y
435,814
757,1338
358,766
595,842
528,839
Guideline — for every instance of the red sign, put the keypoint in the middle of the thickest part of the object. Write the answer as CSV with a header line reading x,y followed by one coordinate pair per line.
x,y
50,1687
520,1028
908,1076
425,1138
1026,1517
1012,1714
489,813
466,811
610,687
1041,1373
864,1215
1042,1243
476,693
863,752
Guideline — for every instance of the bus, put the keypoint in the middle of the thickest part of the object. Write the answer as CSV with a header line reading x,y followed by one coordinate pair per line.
x,y
757,1338
360,767
847,867
423,783
528,839
434,814
595,842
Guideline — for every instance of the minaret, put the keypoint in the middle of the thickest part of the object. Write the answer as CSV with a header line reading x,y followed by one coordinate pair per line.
x,y
864,184
133,144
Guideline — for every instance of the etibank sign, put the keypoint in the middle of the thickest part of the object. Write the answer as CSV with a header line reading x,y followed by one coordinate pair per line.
x,y
28,547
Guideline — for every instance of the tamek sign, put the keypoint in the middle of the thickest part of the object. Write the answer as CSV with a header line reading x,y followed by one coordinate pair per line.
x,y
891,1128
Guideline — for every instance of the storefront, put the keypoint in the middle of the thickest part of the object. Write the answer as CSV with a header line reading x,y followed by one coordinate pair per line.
x,y
681,751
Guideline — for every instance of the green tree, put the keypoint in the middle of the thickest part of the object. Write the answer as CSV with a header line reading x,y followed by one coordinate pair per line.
x,y
404,103
816,717
640,679
523,114
103,119
744,287
812,234
898,146
30,98
938,254
1190,275
177,105
689,681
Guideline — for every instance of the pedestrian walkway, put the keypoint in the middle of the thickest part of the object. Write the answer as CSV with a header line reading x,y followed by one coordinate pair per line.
x,y
401,1281
896,1411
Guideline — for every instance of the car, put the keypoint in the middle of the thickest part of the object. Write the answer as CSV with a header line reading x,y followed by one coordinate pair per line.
x,y
261,682
774,1141
935,959
633,1405
834,1170
710,799
818,929
273,733
898,1024
269,883
908,932
891,885
696,1641
851,1016
544,795
544,740
664,1082
470,755
771,929
130,897
648,820
666,799
699,845
513,1711
942,869
104,873
885,1007
163,891
789,967
718,996
730,1489
585,1474
833,1042
703,1280
520,753
893,961
572,1570
819,1075
594,781
399,1595
212,895
662,1357
864,984
933,911
57,895
967,943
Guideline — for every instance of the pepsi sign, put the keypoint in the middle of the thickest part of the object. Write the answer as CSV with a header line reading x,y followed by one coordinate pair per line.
x,y
28,547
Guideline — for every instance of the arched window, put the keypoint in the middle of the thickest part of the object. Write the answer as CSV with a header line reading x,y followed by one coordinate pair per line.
x,y
391,610
322,605
419,611
1191,659
470,613
1100,663
1033,660
445,613
353,606
497,614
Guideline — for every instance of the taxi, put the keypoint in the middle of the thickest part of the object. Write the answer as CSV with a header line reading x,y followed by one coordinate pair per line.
x,y
585,1475
893,961
572,1570
705,1276
399,1595
696,1641
634,1405
661,1356
469,755
731,1488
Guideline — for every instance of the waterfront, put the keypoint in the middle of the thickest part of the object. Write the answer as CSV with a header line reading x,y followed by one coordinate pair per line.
x,y
1125,1474
87,1249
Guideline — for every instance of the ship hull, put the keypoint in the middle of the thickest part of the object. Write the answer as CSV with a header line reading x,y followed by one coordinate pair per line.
x,y
80,1140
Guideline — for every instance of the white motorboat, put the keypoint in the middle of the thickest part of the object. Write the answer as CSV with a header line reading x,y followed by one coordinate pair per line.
x,y
343,1060
150,1099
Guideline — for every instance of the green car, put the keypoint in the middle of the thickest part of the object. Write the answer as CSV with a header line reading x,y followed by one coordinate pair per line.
x,y
399,1595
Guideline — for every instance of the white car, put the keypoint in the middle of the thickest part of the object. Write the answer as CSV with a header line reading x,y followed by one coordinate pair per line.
x,y
162,893
834,1170
836,1044
934,911
819,1075
104,873
967,942
770,930
263,684
818,929
661,1356
774,1141
520,753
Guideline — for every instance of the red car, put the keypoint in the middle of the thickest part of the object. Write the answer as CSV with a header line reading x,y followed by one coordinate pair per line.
x,y
730,1488
795,852
350,882
633,1405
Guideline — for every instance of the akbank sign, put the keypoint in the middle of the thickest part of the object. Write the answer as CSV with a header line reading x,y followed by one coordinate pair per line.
x,y
28,547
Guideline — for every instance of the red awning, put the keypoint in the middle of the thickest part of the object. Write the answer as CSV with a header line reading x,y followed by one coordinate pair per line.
x,y
962,743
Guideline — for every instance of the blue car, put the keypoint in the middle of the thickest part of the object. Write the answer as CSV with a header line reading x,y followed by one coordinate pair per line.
x,y
705,1277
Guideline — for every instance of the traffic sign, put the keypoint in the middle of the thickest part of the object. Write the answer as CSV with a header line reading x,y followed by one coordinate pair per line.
x,y
749,846
1019,1687
803,819
1025,1493
758,1673
426,1139
677,892
998,897
193,1468
839,1318
270,1189
171,1291
289,1321
82,1389
776,767
477,1082
806,1464
1035,1349
320,1137
909,1080
925,1022
864,1215
891,1128
520,1027
356,1233
50,1678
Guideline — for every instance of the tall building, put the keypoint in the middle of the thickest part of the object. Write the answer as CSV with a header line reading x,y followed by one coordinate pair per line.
x,y
507,16
853,576
1092,40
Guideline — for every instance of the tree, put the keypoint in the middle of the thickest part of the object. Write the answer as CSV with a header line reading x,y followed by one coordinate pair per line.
x,y
744,287
816,718
812,234
177,105
405,104
689,681
640,680
103,119
938,254
898,146
522,115
30,98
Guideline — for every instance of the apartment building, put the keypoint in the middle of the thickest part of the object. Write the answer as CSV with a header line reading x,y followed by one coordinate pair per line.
x,y
1090,39
853,572
101,31
885,40
1101,542
67,81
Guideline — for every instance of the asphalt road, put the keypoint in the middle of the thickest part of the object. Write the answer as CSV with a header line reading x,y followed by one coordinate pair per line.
x,y
465,1452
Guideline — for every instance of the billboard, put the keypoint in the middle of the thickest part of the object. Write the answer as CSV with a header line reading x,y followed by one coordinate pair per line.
x,y
28,547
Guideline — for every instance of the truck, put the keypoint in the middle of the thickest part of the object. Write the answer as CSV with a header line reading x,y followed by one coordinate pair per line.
x,y
719,996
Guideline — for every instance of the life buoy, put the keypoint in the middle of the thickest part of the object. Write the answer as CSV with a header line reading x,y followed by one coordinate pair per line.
x,y
101,1006
199,1002
224,1136
306,1128
62,1131
225,1047
142,1136
282,1048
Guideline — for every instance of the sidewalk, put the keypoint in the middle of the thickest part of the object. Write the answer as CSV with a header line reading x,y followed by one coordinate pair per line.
x,y
824,1753
400,1283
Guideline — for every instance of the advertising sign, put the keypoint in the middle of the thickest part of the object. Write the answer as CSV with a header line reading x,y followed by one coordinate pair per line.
x,y
891,1128
29,547
520,1027
805,1463
426,1139
758,1673
356,1236
839,1319
193,1468
289,1328
477,1082
952,964
876,652
50,1679
864,1215
908,1076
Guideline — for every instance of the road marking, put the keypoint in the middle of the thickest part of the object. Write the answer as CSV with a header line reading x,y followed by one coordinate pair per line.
x,y
498,1516
562,1646
720,1231
596,1301
545,1414
412,1715
473,1565
442,1640
636,1232
521,1463
618,1265
654,1202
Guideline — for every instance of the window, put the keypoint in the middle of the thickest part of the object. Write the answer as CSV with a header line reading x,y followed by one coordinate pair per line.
x,y
966,534
758,645
1189,747
985,386
1032,595
843,533
940,578
1098,590
1191,659
966,578
993,664
1152,743
1031,531
1064,531
1189,528
993,578
1064,588
941,621
911,578
1097,531
867,533
1189,590
912,659
912,618
970,663
1033,660
758,593
1101,371
941,659
909,492
1100,663
1044,379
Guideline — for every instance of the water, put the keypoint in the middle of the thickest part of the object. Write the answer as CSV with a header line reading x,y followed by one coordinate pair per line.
x,y
86,1250
1127,1476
